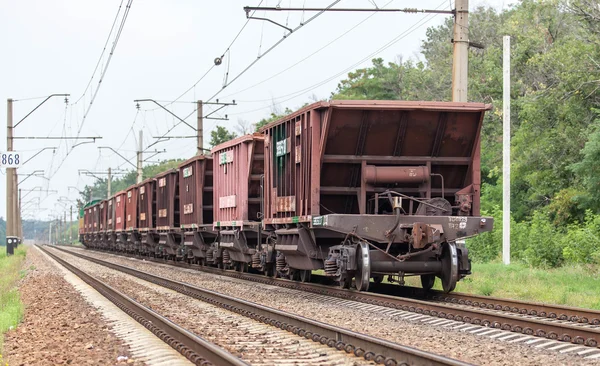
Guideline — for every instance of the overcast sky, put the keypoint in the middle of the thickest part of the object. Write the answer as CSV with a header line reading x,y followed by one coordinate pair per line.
x,y
165,47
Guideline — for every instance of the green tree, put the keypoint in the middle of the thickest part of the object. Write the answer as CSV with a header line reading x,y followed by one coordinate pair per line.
x,y
99,189
220,135
273,117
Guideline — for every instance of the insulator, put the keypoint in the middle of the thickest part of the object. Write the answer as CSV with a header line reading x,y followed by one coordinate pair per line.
x,y
256,260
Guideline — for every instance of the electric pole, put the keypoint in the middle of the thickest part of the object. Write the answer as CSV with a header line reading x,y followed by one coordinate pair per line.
x,y
200,130
506,152
15,194
66,227
460,63
71,228
50,233
109,183
20,218
9,177
139,159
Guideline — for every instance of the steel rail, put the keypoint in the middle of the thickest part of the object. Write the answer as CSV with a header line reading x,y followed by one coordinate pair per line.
x,y
551,311
583,334
362,345
194,348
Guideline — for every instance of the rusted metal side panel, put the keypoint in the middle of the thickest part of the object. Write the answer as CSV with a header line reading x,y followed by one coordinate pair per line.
x,y
87,219
92,218
103,216
237,169
131,209
196,192
167,200
119,210
111,213
348,139
146,203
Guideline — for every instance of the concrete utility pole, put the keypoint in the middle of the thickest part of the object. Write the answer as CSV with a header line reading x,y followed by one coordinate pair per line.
x,y
139,159
71,228
460,63
20,218
15,203
50,233
109,182
506,152
66,228
200,130
9,176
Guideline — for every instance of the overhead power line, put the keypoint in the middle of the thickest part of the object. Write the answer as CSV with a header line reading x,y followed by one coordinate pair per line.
x,y
286,36
110,55
263,80
295,94
102,53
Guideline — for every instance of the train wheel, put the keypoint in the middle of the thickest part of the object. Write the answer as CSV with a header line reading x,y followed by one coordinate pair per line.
x,y
449,274
427,281
305,275
363,272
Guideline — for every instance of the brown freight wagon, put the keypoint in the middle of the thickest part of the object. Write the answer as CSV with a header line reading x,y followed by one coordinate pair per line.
x,y
146,203
396,182
131,222
238,167
116,221
196,206
101,224
167,213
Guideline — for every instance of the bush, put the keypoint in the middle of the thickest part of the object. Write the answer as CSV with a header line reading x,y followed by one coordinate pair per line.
x,y
544,247
581,243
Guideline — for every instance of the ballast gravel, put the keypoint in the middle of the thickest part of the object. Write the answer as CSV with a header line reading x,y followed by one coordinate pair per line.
x,y
59,327
459,345
252,341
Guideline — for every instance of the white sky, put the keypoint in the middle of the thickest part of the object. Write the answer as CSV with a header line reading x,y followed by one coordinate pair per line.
x,y
165,47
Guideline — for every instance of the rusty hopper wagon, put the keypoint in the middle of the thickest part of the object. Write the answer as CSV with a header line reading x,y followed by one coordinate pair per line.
x,y
360,189
167,214
146,204
238,166
365,189
132,235
196,207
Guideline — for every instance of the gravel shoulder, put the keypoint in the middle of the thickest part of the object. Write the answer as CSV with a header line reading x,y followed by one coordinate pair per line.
x,y
252,341
59,327
463,346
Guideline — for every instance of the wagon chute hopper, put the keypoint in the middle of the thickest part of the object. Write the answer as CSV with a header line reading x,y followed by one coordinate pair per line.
x,y
365,189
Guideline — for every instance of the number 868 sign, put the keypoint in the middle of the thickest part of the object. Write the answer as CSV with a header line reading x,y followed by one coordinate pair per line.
x,y
10,159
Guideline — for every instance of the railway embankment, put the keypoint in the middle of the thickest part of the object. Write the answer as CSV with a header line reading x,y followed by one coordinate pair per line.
x,y
58,325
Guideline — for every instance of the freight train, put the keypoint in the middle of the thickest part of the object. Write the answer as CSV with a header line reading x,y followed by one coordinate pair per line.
x,y
357,189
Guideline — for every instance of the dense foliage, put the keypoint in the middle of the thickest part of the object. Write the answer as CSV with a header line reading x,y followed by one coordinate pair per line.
x,y
554,116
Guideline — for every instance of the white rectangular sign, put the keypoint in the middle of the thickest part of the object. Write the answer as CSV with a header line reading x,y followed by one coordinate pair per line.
x,y
10,159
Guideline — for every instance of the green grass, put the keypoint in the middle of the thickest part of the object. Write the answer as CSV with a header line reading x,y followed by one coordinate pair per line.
x,y
11,307
569,285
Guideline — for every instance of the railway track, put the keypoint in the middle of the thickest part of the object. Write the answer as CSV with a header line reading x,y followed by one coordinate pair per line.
x,y
369,348
518,317
194,348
